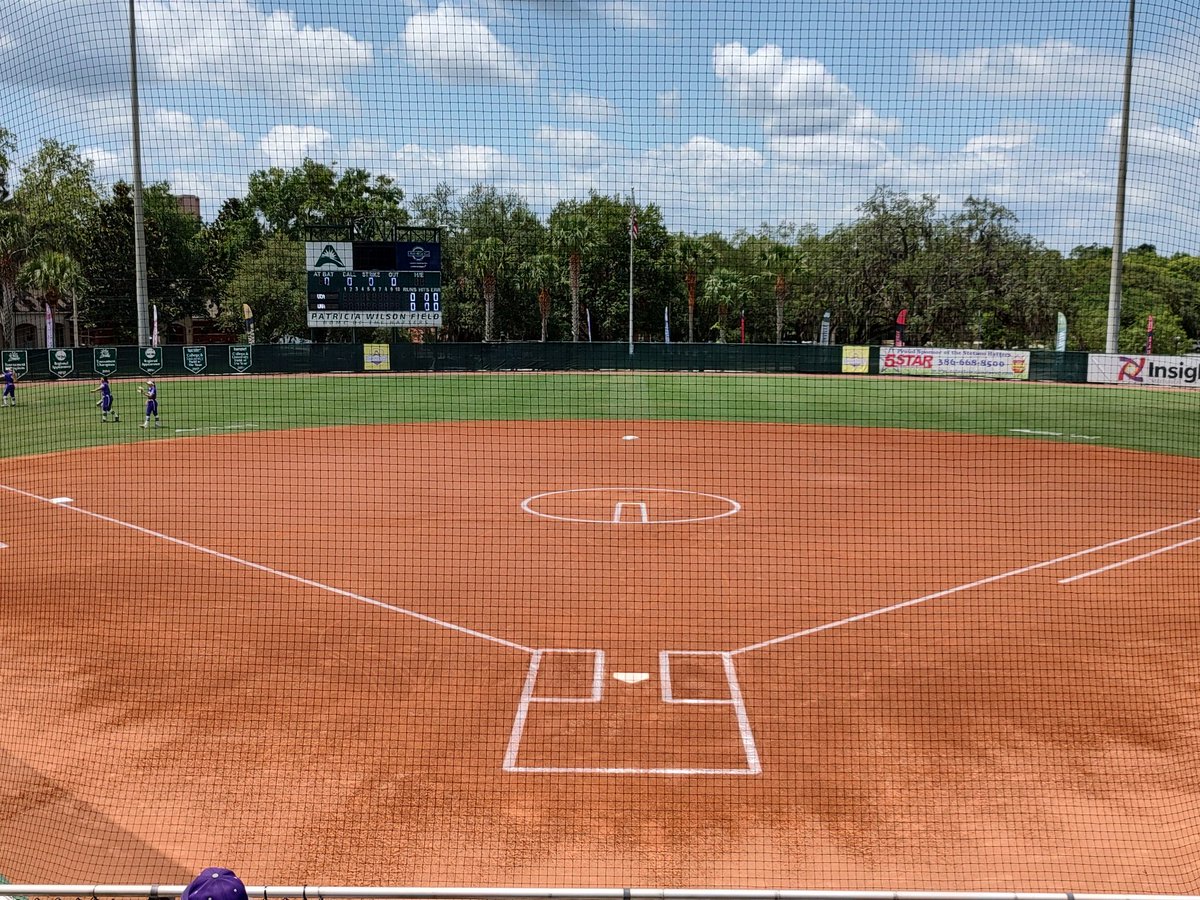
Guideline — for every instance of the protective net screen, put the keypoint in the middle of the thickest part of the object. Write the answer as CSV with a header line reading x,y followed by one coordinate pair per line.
x,y
600,443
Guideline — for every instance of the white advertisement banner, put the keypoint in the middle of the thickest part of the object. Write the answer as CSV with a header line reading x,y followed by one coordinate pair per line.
x,y
942,362
398,318
1166,371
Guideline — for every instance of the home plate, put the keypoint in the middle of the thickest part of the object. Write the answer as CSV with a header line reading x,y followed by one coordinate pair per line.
x,y
631,677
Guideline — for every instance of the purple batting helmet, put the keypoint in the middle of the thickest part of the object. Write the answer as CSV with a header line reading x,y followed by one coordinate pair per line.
x,y
215,884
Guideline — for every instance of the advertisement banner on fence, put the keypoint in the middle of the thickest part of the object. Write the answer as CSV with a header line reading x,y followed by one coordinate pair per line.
x,y
1166,371
1010,364
856,360
377,357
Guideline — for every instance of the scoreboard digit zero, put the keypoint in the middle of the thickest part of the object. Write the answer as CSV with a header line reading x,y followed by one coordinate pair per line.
x,y
374,284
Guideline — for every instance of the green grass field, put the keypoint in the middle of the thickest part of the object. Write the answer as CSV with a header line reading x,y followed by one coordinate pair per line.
x,y
56,416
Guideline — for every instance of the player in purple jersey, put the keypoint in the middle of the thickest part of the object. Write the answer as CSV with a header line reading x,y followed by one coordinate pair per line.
x,y
105,402
10,388
151,393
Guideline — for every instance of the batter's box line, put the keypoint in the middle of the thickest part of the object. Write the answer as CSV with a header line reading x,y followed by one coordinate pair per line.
x,y
733,699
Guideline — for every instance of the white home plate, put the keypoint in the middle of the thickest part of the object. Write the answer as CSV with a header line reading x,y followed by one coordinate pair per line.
x,y
631,677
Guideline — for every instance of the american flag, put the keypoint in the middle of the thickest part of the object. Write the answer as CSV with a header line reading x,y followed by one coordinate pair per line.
x,y
633,223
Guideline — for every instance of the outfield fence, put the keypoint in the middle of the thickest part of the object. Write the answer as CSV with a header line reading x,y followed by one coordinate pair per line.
x,y
320,358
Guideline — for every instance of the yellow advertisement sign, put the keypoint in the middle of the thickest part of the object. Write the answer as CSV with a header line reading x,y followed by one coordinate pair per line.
x,y
377,358
856,360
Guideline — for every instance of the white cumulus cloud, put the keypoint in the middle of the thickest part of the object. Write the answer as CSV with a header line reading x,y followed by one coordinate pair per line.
x,y
789,96
629,14
230,44
289,145
1053,68
453,47
585,107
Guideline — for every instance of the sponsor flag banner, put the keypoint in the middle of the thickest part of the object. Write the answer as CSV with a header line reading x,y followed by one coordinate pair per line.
x,y
150,359
901,327
195,359
954,363
240,357
667,324
18,361
856,360
62,362
154,329
1060,336
104,360
1149,335
825,321
1135,369
248,320
49,328
377,358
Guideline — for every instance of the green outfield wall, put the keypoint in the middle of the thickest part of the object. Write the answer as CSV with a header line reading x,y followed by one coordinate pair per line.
x,y
271,359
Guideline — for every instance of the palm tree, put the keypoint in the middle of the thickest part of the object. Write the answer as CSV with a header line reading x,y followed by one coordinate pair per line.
x,y
54,276
574,237
780,261
15,243
691,256
540,272
725,287
488,258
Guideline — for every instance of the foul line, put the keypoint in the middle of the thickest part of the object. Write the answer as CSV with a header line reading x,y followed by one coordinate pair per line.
x,y
870,614
279,573
1132,559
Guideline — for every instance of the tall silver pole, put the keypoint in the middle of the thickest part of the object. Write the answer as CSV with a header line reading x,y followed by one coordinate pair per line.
x,y
1114,283
632,215
139,213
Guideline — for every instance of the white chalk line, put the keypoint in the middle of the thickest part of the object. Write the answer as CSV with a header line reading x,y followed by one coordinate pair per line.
x,y
1132,559
734,699
239,426
278,573
527,696
946,592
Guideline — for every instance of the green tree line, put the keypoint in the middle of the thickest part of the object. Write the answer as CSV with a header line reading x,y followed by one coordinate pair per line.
x,y
966,276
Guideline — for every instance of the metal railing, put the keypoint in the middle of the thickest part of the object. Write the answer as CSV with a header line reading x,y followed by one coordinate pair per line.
x,y
314,892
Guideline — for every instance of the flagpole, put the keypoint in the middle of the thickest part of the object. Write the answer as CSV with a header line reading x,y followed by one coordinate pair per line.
x,y
632,232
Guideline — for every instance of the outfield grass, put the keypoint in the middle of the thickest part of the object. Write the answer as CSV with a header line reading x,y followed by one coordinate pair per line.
x,y
54,417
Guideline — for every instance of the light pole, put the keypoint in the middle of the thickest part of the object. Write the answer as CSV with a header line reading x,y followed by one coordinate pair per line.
x,y
139,215
1114,282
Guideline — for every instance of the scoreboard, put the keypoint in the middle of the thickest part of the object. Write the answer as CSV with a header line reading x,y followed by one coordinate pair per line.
x,y
414,297
374,284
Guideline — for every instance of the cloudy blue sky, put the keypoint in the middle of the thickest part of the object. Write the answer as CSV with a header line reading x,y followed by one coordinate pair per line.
x,y
726,114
